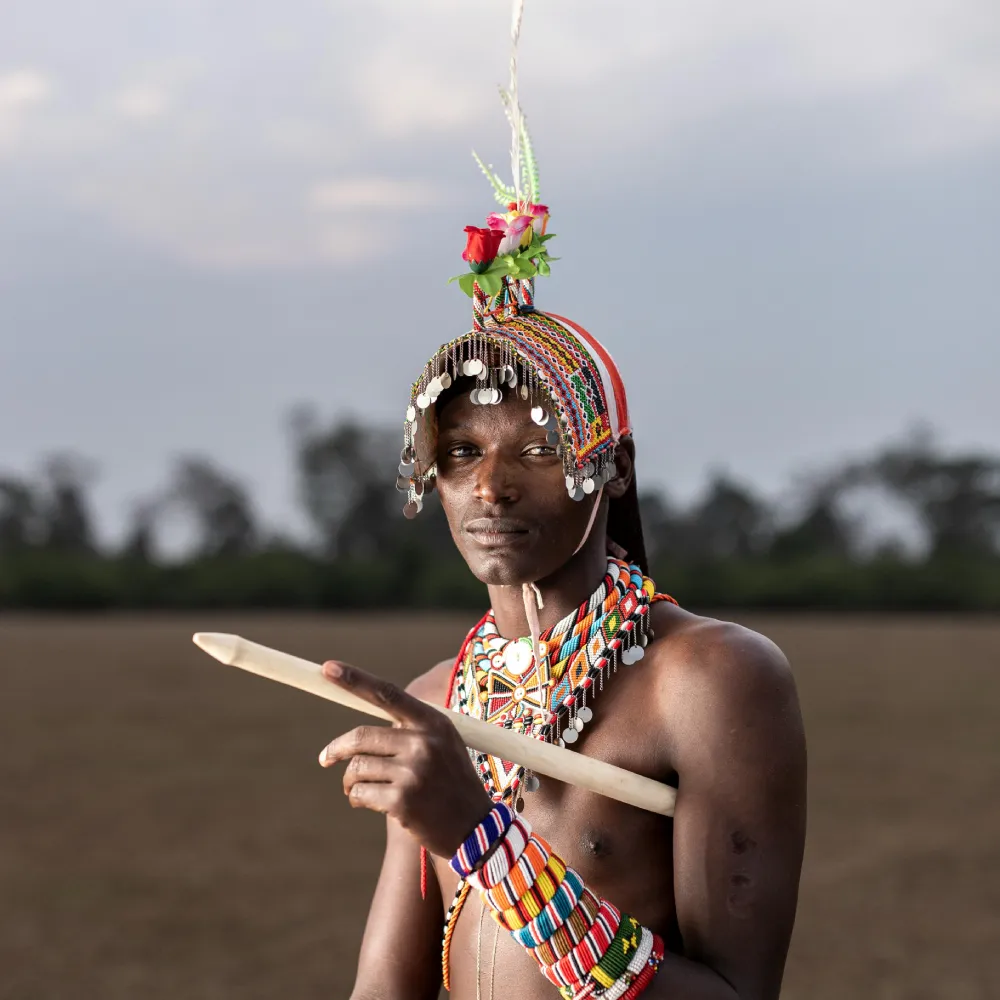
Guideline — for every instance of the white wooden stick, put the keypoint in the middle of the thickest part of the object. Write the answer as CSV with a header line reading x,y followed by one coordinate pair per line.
x,y
542,758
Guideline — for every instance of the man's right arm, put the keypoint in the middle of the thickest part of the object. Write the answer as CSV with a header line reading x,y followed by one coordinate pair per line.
x,y
401,951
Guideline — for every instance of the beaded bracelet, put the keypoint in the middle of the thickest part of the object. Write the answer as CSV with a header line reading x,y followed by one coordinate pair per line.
x,y
556,911
649,970
522,875
573,930
614,962
531,904
641,970
576,966
638,961
482,838
583,945
534,874
508,852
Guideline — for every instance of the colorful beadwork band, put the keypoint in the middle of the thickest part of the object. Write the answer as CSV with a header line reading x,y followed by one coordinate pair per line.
x,y
485,835
508,852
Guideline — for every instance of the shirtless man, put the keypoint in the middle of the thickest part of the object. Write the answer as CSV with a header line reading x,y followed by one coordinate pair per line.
x,y
711,709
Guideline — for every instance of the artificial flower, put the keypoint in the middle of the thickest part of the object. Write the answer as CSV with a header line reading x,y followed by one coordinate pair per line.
x,y
482,246
515,227
539,218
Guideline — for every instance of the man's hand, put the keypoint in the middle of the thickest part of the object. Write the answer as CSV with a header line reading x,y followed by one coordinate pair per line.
x,y
417,771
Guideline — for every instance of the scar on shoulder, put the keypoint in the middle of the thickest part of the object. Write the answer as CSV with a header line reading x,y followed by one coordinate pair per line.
x,y
741,842
741,881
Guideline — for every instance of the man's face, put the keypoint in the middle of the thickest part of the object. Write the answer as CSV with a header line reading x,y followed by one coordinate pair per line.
x,y
503,490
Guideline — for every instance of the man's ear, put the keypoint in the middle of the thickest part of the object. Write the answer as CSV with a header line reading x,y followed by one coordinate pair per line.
x,y
624,469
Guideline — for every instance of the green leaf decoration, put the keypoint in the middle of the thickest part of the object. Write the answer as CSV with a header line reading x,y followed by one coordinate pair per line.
x,y
529,166
466,281
503,194
490,283
543,269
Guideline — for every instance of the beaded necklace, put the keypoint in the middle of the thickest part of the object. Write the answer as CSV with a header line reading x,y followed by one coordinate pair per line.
x,y
499,681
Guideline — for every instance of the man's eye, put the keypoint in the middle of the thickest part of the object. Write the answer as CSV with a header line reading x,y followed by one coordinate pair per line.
x,y
462,451
540,450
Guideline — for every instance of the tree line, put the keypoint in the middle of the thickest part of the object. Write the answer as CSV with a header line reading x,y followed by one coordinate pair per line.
x,y
909,526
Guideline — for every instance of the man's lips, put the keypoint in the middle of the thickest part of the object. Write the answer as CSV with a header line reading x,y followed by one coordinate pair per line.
x,y
497,530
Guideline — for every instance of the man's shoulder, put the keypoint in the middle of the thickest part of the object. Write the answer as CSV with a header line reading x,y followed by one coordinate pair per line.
x,y
720,659
723,689
432,685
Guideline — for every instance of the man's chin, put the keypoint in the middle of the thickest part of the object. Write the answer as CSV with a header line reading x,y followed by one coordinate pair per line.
x,y
504,569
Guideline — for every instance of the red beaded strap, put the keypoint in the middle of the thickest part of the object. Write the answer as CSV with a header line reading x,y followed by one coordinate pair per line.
x,y
575,967
570,933
522,875
535,899
649,970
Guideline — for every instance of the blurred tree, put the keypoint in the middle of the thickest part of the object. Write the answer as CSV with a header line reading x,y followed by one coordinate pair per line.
x,y
346,474
822,531
19,515
66,524
662,527
823,528
957,498
219,506
140,539
729,522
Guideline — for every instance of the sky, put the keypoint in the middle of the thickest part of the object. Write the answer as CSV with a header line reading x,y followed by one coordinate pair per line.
x,y
782,219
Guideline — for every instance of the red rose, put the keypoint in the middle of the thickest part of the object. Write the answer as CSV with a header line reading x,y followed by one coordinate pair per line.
x,y
481,248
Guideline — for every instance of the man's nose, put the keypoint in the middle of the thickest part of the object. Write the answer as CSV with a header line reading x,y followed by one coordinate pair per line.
x,y
495,482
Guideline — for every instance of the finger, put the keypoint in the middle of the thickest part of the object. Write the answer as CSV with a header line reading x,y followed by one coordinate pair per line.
x,y
373,741
401,706
371,769
382,797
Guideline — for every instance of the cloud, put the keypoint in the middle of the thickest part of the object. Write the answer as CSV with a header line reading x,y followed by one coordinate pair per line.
x,y
19,92
341,102
378,193
21,89
142,103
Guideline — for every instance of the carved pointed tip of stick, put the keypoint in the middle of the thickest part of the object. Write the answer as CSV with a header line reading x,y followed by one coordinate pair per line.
x,y
218,644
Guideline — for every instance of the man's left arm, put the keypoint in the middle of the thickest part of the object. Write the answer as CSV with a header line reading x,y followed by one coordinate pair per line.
x,y
738,745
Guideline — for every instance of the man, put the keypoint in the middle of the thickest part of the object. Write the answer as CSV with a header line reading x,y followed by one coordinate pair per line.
x,y
522,427
711,709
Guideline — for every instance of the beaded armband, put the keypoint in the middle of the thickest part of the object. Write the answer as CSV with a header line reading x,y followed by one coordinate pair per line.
x,y
582,944
481,840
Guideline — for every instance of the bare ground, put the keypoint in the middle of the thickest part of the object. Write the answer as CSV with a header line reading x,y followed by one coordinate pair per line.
x,y
165,831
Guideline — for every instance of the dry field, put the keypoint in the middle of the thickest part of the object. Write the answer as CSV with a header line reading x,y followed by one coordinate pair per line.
x,y
165,832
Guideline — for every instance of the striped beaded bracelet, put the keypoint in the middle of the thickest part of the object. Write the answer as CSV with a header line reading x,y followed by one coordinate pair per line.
x,y
531,904
570,933
575,967
507,854
649,970
556,911
522,875
614,962
535,867
637,963
485,835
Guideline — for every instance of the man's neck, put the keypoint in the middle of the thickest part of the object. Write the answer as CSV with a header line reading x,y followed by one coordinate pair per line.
x,y
562,592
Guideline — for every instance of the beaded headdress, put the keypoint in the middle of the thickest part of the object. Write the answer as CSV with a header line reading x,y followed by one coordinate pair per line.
x,y
568,377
